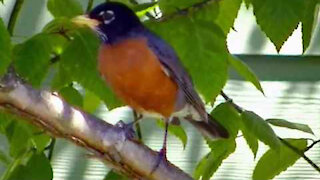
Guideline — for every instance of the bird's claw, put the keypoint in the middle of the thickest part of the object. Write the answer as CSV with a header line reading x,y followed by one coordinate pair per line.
x,y
126,128
162,157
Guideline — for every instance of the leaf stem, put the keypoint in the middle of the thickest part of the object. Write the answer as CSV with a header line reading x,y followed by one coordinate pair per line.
x,y
299,152
51,148
137,124
14,16
89,7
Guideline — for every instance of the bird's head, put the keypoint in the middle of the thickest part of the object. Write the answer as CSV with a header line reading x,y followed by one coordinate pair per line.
x,y
111,20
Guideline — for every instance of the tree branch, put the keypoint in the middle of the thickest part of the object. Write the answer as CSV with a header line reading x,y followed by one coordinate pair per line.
x,y
299,152
106,142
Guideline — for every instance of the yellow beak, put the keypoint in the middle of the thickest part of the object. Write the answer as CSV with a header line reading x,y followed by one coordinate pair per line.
x,y
84,20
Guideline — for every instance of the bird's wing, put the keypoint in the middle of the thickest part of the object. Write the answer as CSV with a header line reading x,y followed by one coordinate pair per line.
x,y
176,71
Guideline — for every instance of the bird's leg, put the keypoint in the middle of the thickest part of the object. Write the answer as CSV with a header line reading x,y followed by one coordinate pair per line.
x,y
163,152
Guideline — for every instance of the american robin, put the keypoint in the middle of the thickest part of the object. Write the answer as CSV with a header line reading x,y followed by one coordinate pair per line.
x,y
145,72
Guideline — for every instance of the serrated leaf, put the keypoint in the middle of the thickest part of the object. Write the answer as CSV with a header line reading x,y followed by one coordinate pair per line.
x,y
32,58
72,96
228,11
228,117
251,140
203,53
79,62
273,162
114,176
260,128
177,131
278,19
221,149
290,125
37,168
5,48
245,71
64,8
309,22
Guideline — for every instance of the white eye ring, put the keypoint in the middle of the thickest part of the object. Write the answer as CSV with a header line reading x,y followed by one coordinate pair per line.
x,y
108,16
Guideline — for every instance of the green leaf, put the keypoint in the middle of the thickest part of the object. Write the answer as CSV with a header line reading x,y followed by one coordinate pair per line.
x,y
273,162
79,62
171,6
251,140
177,131
41,141
221,149
290,125
91,102
32,58
19,136
64,8
72,96
309,22
5,48
5,120
228,117
114,176
203,53
37,168
4,158
260,128
245,71
228,11
278,19
247,3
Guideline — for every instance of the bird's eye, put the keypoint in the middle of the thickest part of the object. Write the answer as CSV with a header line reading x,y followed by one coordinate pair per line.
x,y
107,16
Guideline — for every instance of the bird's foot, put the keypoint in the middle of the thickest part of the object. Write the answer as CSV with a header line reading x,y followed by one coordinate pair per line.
x,y
126,128
162,157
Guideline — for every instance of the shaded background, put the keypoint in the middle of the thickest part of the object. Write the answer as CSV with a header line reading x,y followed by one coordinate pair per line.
x,y
291,83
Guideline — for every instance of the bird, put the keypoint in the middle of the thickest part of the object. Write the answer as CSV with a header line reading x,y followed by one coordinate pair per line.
x,y
145,72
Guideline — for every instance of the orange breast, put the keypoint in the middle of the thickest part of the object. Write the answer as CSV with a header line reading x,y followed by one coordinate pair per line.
x,y
136,76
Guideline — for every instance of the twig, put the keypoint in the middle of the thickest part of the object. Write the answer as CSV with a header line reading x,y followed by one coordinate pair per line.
x,y
89,7
311,145
51,148
238,108
14,16
299,152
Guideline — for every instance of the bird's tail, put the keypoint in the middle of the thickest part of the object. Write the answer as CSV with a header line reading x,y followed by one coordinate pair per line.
x,y
211,129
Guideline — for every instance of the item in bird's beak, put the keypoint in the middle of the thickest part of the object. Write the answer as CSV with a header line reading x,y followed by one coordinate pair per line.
x,y
84,20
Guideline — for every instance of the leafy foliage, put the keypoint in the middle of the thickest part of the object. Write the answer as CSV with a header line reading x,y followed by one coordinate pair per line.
x,y
255,125
278,19
290,125
245,72
38,162
64,8
309,22
275,161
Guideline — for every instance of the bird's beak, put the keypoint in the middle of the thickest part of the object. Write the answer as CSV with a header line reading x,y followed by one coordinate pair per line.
x,y
84,20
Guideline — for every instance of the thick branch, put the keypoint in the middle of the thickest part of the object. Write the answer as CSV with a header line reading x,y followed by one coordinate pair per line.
x,y
105,141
